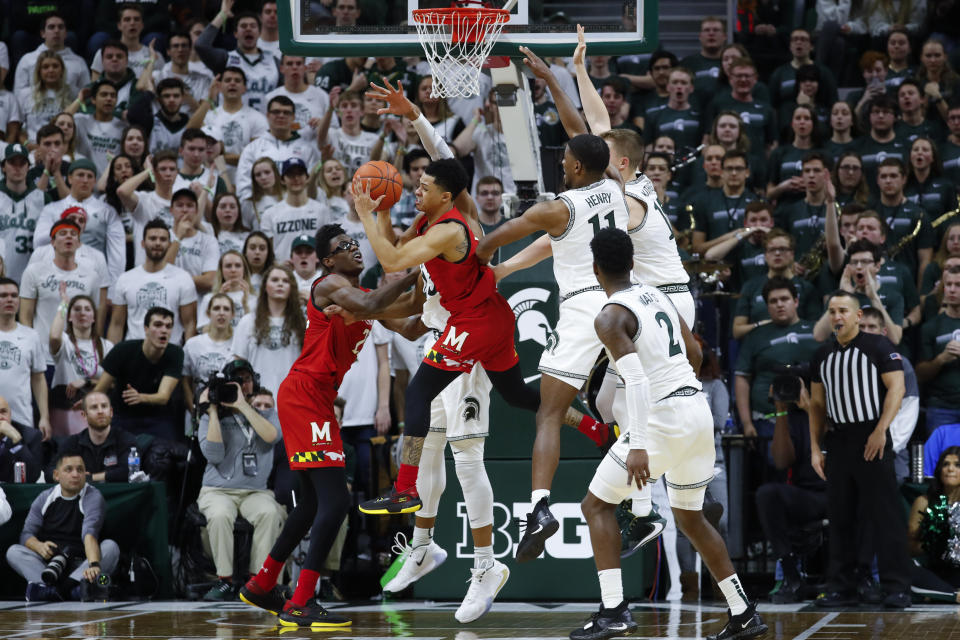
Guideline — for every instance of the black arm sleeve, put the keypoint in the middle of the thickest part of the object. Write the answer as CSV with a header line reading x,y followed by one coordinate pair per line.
x,y
214,57
140,112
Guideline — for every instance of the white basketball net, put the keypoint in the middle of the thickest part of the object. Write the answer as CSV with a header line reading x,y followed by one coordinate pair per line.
x,y
456,43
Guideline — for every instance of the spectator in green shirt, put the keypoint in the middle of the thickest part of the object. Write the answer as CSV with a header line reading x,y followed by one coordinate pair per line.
x,y
786,339
938,363
751,310
719,211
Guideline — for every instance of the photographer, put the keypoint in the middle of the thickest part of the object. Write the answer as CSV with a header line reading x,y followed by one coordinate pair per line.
x,y
238,443
785,507
59,554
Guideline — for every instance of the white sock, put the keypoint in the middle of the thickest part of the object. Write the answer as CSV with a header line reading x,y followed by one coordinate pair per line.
x,y
539,494
611,588
421,537
734,593
483,557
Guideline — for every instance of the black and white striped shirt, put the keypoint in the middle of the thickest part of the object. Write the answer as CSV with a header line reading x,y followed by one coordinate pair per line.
x,y
852,377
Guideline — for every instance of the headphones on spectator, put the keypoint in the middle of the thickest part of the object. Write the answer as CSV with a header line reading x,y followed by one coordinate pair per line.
x,y
232,370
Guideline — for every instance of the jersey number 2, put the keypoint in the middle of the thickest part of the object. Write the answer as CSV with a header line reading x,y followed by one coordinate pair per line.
x,y
609,217
664,320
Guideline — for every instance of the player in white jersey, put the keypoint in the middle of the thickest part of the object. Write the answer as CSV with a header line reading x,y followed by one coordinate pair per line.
x,y
668,432
656,257
594,200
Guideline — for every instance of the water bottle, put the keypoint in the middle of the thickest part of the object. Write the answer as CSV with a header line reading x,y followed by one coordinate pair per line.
x,y
916,462
133,462
728,427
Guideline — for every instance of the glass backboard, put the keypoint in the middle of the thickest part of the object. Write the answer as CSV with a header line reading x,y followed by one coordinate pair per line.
x,y
339,28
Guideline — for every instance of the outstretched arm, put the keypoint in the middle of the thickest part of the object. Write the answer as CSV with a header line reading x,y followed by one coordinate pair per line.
x,y
362,304
534,253
551,216
398,104
572,122
593,107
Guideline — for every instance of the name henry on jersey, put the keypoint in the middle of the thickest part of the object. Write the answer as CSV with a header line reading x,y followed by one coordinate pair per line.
x,y
598,199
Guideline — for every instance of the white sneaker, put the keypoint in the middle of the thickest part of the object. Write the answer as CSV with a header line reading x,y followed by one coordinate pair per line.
x,y
485,584
419,562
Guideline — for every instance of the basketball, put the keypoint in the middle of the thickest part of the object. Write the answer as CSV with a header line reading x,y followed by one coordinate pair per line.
x,y
383,179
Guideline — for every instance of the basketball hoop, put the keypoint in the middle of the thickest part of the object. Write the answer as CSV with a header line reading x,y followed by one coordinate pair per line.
x,y
457,41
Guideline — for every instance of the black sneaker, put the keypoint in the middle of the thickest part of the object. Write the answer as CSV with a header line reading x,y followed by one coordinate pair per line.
x,y
869,591
406,501
39,592
222,591
312,616
271,601
606,623
787,592
834,600
539,526
639,531
748,624
899,600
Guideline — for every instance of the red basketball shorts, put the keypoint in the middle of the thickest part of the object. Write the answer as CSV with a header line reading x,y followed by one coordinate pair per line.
x,y
311,433
483,335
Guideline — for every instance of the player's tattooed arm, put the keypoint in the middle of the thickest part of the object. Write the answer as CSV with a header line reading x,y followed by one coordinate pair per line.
x,y
335,289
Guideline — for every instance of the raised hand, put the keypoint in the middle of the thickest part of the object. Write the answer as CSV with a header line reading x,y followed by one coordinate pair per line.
x,y
580,53
537,67
397,102
362,202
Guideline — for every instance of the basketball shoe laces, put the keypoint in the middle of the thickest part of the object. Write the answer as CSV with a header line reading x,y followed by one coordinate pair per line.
x,y
400,546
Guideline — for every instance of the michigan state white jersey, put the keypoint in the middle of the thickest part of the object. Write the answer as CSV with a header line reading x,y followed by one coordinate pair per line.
x,y
262,73
434,316
18,220
658,341
656,260
601,204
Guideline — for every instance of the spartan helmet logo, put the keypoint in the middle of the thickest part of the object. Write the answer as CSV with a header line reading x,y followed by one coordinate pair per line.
x,y
531,323
471,409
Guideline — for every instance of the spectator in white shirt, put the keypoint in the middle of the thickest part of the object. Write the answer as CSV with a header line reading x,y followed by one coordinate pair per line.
x,y
98,134
258,251
154,283
193,250
280,143
47,95
297,214
233,280
228,228
22,358
271,337
40,287
54,34
77,350
311,102
267,190
303,255
207,352
104,228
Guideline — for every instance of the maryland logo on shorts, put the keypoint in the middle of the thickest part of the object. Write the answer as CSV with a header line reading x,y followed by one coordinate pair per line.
x,y
433,356
317,456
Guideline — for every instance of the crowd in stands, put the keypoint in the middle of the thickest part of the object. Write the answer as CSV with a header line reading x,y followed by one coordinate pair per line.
x,y
165,173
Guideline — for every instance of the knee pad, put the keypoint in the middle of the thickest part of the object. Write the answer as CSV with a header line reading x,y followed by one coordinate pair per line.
x,y
432,476
477,492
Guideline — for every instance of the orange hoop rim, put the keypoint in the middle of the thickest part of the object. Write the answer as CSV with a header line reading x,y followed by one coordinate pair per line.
x,y
447,16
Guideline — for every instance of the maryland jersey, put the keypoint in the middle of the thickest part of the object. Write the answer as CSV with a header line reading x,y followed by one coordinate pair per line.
x,y
330,346
656,260
464,285
601,204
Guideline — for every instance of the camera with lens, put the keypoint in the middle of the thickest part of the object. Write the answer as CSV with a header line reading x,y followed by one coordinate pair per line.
x,y
221,389
56,566
789,380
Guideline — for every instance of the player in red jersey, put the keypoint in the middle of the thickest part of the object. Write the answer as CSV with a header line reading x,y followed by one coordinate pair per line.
x,y
311,434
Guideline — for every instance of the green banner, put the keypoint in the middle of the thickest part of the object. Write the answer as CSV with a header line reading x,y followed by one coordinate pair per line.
x,y
565,571
136,519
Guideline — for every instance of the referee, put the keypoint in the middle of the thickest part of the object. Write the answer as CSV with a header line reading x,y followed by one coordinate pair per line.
x,y
856,389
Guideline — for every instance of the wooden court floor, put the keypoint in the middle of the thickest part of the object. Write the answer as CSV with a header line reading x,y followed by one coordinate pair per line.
x,y
434,621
